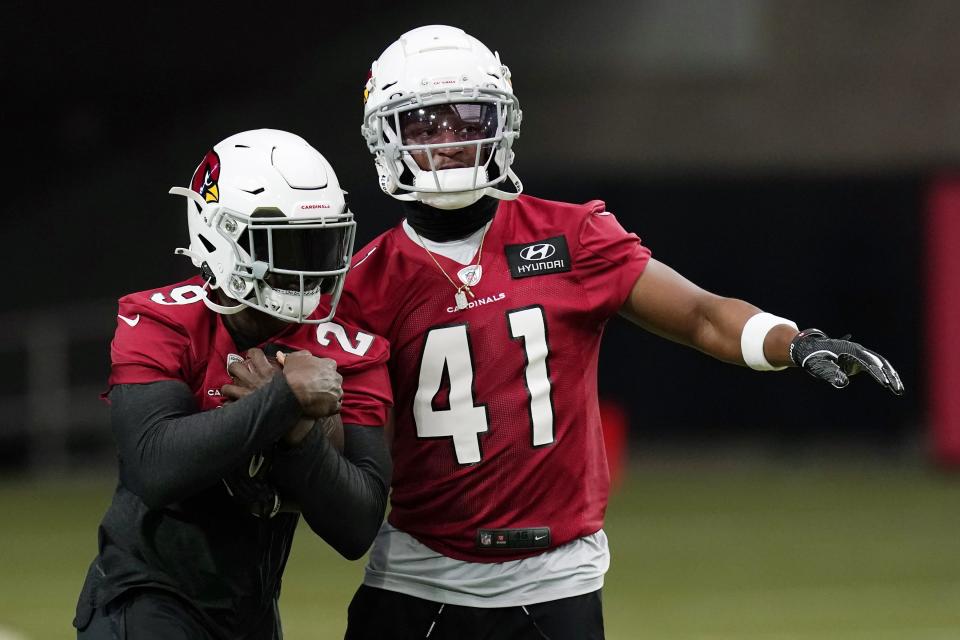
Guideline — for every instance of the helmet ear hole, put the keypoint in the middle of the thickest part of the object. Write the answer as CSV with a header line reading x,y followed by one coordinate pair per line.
x,y
406,176
206,243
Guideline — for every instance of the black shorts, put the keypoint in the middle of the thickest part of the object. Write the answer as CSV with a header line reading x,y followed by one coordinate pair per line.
x,y
154,614
378,614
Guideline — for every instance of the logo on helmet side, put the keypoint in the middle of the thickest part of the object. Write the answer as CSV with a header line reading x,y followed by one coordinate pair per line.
x,y
206,177
367,86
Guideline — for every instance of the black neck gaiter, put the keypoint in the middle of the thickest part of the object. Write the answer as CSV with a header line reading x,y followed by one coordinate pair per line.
x,y
441,225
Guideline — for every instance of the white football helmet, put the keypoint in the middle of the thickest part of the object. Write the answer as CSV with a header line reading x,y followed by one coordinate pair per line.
x,y
268,225
435,91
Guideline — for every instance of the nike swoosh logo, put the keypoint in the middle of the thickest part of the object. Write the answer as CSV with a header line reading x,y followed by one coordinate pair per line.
x,y
360,261
539,537
130,321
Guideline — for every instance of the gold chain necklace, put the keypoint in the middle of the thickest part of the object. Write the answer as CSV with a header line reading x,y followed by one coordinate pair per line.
x,y
460,297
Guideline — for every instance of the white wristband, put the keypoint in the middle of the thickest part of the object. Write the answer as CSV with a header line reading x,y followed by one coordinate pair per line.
x,y
752,337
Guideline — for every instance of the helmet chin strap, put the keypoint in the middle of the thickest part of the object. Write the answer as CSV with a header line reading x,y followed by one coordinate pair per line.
x,y
188,193
220,308
499,194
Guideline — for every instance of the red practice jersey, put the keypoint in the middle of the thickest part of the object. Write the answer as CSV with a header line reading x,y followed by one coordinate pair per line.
x,y
497,423
170,334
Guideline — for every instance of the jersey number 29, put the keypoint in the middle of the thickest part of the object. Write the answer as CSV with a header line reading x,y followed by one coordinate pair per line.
x,y
448,349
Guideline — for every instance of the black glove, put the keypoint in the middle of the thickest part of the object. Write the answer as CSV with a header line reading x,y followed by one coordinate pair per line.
x,y
248,486
833,360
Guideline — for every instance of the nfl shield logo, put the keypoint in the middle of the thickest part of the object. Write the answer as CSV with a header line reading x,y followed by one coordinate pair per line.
x,y
471,274
485,539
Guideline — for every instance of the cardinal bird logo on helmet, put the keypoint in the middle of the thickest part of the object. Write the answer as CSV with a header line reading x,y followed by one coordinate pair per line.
x,y
367,86
206,176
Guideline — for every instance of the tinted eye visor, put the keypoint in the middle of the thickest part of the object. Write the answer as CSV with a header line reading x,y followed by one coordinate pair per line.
x,y
307,250
314,247
304,251
462,121
310,245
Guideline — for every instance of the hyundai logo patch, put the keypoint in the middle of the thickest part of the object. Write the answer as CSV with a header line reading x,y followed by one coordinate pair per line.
x,y
538,258
538,251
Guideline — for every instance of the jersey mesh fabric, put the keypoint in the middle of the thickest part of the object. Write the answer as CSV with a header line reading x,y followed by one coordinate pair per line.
x,y
562,484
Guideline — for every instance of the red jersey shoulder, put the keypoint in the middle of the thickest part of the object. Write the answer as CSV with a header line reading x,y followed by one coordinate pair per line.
x,y
377,270
370,262
158,332
552,217
361,358
353,348
371,249
178,305
587,227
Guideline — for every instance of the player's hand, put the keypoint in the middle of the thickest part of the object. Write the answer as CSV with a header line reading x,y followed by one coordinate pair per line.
x,y
249,375
314,381
834,360
248,486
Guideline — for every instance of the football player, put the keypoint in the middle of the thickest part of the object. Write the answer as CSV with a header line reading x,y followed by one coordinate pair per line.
x,y
494,304
231,400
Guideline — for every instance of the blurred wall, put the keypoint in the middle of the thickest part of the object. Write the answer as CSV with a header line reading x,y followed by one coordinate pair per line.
x,y
674,85
771,150
105,114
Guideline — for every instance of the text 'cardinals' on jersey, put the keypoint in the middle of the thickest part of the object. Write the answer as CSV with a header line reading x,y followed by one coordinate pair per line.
x,y
497,425
169,334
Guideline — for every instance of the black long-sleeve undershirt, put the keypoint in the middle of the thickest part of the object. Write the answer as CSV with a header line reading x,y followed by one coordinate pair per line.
x,y
169,451
342,496
172,526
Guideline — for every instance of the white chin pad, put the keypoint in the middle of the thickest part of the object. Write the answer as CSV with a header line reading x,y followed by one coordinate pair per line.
x,y
450,201
457,187
460,179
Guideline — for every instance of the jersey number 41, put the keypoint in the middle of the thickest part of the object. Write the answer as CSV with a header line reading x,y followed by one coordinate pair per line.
x,y
448,349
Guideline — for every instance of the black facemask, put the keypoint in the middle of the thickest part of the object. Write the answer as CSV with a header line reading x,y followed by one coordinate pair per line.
x,y
441,225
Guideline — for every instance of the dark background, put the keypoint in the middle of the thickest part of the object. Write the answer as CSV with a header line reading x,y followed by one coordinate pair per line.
x,y
778,152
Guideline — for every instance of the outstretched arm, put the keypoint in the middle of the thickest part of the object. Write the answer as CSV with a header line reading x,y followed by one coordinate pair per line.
x,y
667,304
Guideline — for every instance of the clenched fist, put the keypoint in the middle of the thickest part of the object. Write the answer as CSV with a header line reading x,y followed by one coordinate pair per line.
x,y
314,381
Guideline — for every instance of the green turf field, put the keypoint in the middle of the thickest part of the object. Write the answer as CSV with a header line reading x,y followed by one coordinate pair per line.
x,y
756,553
